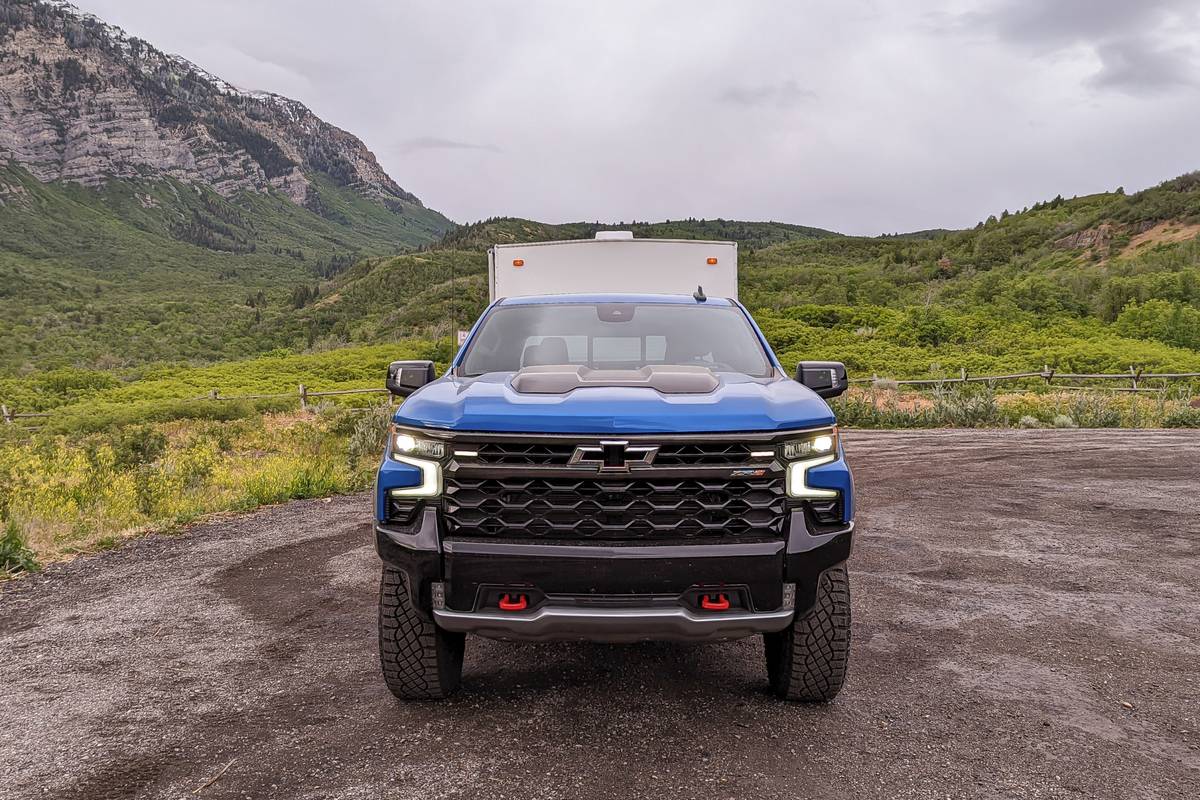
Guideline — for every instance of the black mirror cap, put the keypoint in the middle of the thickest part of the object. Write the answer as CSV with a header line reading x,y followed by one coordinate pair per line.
x,y
405,377
826,378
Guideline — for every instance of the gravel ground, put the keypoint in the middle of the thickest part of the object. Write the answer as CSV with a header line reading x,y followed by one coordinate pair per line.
x,y
1026,624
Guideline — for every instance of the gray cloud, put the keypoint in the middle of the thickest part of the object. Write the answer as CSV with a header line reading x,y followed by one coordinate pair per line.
x,y
783,95
1137,65
437,143
1057,23
1133,41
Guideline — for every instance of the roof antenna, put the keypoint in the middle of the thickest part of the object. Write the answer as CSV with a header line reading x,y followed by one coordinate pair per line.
x,y
699,294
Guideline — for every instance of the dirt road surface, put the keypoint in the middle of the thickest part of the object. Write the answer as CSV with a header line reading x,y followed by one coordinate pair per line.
x,y
1026,624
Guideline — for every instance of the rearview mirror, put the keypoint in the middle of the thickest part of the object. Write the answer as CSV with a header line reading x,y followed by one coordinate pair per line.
x,y
405,377
826,378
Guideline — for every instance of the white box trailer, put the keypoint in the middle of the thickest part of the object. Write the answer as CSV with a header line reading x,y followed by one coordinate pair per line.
x,y
613,262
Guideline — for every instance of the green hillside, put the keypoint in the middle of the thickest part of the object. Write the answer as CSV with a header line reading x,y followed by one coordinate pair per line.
x,y
1092,283
443,288
506,230
151,270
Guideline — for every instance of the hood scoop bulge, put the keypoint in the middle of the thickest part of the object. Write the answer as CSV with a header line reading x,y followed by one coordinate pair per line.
x,y
560,379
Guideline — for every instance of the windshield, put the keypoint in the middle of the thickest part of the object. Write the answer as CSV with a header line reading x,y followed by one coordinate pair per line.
x,y
616,336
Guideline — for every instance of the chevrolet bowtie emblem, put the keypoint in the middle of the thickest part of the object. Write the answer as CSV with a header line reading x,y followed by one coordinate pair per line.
x,y
614,456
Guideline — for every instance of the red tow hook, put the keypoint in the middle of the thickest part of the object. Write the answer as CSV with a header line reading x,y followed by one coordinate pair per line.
x,y
520,603
711,603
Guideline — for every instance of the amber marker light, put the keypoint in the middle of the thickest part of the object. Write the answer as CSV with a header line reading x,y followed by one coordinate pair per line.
x,y
712,261
518,262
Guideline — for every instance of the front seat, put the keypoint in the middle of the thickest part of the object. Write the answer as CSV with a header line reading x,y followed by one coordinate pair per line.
x,y
552,350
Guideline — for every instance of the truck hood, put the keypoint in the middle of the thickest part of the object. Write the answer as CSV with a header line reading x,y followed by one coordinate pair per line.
x,y
488,403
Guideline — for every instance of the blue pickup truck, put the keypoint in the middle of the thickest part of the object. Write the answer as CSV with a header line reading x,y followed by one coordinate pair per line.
x,y
615,468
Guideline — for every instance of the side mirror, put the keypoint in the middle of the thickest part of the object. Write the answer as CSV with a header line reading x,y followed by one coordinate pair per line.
x,y
826,378
405,377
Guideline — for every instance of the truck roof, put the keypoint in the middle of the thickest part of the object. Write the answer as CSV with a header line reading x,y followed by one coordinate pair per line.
x,y
664,299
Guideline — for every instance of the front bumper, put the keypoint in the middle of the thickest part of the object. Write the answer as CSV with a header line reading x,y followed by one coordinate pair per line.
x,y
634,624
573,582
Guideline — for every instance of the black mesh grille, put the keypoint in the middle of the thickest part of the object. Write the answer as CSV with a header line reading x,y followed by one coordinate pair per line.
x,y
558,454
524,454
615,508
702,455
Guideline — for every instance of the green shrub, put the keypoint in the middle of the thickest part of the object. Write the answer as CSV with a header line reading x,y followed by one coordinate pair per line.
x,y
137,446
1095,411
368,435
316,480
95,417
967,405
263,490
1182,418
15,555
1063,421
148,489
871,410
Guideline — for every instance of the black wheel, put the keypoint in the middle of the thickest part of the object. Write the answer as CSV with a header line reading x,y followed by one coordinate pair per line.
x,y
807,660
420,660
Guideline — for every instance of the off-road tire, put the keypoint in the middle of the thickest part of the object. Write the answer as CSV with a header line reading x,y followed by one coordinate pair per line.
x,y
806,661
420,660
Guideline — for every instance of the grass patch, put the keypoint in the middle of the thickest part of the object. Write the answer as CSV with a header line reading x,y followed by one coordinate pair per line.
x,y
978,406
87,492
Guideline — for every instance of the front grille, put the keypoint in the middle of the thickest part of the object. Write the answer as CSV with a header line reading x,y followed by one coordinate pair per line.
x,y
702,455
558,454
630,507
524,453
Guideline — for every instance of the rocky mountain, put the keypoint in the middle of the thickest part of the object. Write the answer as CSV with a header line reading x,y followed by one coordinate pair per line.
x,y
82,101
151,211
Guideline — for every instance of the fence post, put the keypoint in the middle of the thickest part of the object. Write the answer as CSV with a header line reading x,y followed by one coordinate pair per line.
x,y
1047,373
962,375
303,397
8,420
1136,375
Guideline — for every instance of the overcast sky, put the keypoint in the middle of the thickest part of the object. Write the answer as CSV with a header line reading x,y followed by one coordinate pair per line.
x,y
862,117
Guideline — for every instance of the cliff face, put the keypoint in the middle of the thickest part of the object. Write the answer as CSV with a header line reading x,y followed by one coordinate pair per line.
x,y
81,101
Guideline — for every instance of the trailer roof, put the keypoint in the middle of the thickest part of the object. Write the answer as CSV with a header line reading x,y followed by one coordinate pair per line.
x,y
663,299
501,246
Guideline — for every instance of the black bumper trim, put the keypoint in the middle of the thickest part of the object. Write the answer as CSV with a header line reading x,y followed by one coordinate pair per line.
x,y
599,551
417,550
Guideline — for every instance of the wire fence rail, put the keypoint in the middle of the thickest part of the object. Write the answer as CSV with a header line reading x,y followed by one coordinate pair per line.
x,y
1135,377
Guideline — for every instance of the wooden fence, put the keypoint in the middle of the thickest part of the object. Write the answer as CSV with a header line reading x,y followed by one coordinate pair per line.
x,y
11,417
1135,377
305,394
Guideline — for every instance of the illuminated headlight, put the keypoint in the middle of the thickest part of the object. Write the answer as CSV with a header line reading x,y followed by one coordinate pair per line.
x,y
404,443
409,449
815,444
815,449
